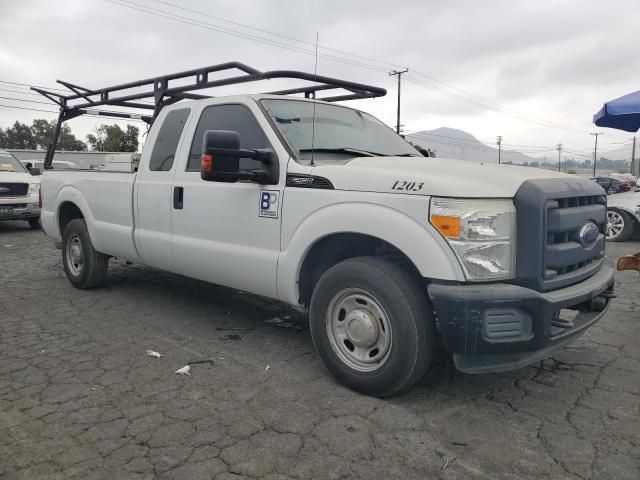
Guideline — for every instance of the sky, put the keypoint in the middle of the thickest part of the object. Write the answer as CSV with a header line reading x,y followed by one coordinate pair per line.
x,y
531,71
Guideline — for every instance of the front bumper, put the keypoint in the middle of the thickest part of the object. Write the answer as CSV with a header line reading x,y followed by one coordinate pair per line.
x,y
17,210
498,327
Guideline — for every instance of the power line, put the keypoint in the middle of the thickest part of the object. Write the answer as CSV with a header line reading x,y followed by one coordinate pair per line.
x,y
286,37
461,142
56,112
25,108
19,92
235,33
463,96
495,105
29,86
24,100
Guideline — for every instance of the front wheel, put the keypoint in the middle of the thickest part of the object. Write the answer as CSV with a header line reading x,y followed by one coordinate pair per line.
x,y
619,226
372,325
611,191
84,266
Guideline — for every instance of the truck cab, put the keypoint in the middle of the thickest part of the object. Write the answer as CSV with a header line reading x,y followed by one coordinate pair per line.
x,y
324,207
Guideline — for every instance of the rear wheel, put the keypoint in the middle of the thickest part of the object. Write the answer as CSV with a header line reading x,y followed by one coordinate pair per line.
x,y
619,226
372,325
34,223
84,266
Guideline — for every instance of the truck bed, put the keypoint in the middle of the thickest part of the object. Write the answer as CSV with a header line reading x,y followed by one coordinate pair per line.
x,y
106,201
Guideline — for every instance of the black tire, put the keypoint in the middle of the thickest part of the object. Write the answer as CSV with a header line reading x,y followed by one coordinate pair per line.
x,y
34,223
91,269
611,191
408,313
615,216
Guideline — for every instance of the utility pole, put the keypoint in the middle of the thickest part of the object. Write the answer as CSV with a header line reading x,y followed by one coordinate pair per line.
x,y
595,151
399,74
559,148
634,171
499,143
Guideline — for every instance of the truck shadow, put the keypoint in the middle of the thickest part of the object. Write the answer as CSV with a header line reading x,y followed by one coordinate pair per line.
x,y
217,314
226,314
7,227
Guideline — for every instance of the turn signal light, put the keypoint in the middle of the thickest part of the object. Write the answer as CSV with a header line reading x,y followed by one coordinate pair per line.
x,y
207,163
448,225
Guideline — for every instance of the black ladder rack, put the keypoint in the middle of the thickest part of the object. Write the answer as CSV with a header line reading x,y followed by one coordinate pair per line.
x,y
83,101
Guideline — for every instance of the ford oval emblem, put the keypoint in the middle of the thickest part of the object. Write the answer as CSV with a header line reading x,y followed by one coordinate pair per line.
x,y
588,234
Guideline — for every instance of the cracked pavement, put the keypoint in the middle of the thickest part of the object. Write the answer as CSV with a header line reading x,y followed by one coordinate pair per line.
x,y
79,397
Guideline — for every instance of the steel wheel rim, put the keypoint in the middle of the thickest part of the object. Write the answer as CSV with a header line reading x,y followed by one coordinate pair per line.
x,y
74,255
615,224
359,330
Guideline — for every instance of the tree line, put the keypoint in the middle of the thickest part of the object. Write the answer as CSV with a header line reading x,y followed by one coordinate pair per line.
x,y
106,138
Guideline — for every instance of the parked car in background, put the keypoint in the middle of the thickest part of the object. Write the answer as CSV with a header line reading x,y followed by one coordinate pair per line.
x,y
19,191
630,178
57,164
612,185
623,216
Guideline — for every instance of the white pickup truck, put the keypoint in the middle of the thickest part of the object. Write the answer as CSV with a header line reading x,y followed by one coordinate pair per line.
x,y
325,208
19,191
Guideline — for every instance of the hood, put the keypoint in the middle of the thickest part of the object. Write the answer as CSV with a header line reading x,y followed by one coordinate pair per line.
x,y
431,176
18,177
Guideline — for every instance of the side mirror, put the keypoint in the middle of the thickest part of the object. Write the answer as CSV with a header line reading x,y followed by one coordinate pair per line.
x,y
34,171
28,165
221,154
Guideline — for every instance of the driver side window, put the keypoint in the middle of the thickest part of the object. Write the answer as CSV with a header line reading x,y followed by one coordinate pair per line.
x,y
234,117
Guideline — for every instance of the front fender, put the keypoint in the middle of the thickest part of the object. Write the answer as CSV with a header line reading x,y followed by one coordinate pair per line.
x,y
419,241
633,213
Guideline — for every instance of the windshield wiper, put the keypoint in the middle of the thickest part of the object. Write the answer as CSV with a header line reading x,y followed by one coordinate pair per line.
x,y
346,150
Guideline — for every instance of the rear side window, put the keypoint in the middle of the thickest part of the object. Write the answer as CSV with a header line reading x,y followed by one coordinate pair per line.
x,y
232,117
166,144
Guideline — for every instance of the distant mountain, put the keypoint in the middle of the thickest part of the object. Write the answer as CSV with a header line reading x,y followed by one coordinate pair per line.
x,y
453,143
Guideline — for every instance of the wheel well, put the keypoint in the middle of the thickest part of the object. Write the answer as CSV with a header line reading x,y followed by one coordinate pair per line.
x,y
68,211
337,247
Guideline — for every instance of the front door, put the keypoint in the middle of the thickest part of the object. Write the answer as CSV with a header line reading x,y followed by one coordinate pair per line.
x,y
228,233
153,190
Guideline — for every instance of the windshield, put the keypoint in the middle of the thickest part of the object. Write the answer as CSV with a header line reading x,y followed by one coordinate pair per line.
x,y
340,132
9,163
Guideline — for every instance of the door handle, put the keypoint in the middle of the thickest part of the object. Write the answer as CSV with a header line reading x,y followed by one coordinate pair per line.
x,y
178,197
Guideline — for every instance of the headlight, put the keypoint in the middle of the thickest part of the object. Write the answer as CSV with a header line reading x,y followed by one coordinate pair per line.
x,y
481,234
34,188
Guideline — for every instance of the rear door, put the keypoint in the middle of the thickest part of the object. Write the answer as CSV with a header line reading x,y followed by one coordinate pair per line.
x,y
154,191
229,233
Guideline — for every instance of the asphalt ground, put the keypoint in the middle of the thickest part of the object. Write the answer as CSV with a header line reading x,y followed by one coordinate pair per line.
x,y
80,398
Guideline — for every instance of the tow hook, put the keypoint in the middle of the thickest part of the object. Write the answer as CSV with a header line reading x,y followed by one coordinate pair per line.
x,y
599,303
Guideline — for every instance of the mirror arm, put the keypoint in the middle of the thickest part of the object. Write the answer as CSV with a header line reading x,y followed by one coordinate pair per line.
x,y
258,154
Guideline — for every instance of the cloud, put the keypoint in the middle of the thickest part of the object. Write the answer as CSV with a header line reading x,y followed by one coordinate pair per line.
x,y
553,60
